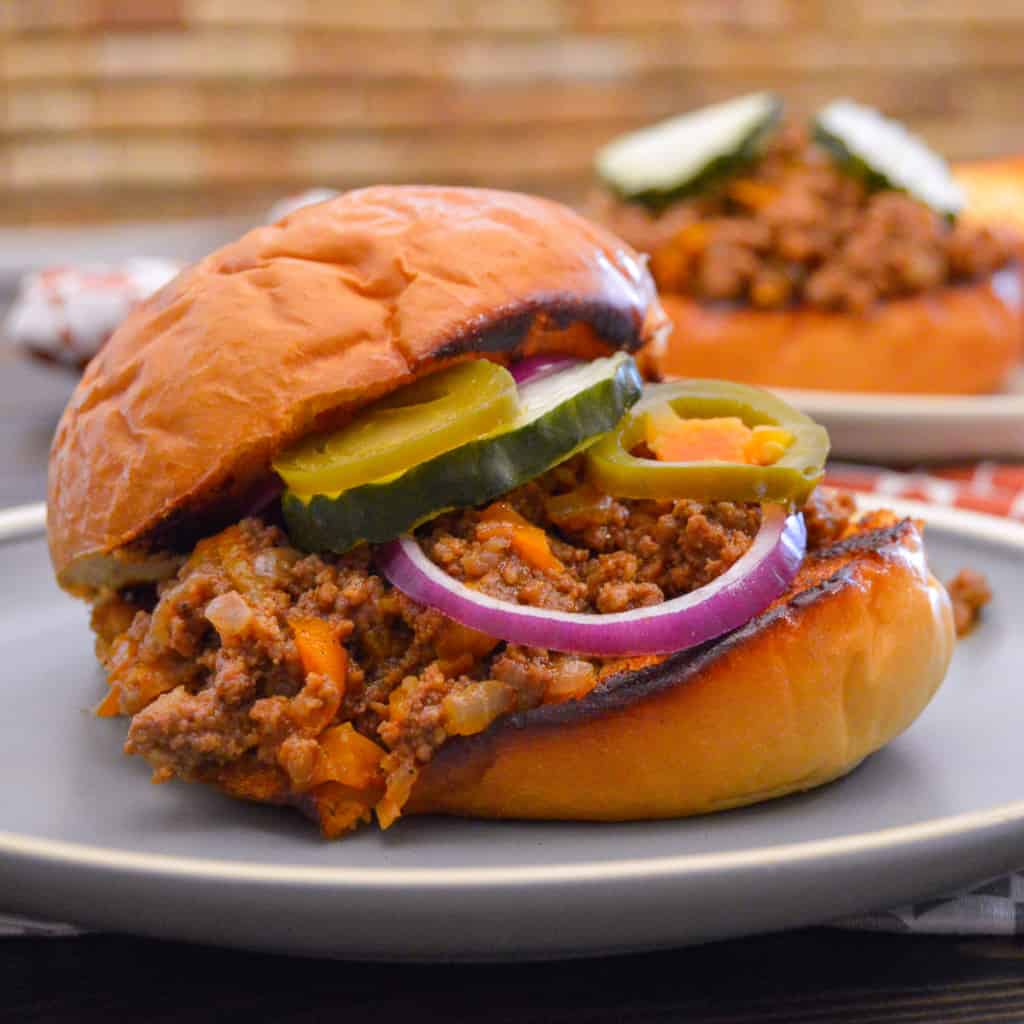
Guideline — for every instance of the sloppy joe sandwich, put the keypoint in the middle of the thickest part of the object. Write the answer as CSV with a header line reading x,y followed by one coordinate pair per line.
x,y
376,517
828,256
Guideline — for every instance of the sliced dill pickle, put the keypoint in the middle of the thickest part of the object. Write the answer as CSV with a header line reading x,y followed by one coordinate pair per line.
x,y
885,155
559,415
686,154
432,415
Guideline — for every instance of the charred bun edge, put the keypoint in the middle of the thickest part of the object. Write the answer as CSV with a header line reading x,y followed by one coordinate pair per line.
x,y
616,326
623,689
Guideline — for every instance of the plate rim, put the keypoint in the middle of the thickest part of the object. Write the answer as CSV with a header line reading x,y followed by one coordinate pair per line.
x,y
999,406
26,522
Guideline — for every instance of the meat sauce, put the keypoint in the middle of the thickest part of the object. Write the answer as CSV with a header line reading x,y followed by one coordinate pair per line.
x,y
219,689
796,230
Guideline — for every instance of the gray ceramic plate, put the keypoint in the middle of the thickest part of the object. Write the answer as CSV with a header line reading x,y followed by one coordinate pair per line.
x,y
88,840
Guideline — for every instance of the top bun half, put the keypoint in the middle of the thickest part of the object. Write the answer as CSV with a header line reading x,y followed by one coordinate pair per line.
x,y
296,326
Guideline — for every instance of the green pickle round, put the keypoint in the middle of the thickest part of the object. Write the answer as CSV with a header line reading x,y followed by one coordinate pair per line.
x,y
559,415
431,416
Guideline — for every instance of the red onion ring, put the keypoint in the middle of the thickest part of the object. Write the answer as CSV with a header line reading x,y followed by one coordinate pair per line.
x,y
535,367
762,574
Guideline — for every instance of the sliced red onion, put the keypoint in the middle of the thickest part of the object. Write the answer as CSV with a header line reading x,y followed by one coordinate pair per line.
x,y
745,589
535,367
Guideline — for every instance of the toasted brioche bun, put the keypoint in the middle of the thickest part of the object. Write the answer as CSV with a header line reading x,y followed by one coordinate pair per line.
x,y
831,672
994,190
963,339
295,327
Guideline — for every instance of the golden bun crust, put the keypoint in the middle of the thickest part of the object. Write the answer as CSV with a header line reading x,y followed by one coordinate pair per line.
x,y
833,671
994,190
963,339
296,326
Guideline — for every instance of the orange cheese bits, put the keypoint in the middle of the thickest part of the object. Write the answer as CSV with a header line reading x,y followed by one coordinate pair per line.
x,y
720,439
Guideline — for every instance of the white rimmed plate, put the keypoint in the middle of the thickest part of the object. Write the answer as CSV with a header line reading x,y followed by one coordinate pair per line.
x,y
911,428
87,840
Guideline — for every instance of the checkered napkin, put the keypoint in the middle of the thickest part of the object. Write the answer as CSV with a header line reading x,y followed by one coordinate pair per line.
x,y
992,487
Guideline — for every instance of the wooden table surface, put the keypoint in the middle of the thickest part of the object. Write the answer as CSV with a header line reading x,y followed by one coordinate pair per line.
x,y
808,976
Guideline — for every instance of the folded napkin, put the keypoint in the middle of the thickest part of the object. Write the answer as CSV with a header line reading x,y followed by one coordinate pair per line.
x,y
64,314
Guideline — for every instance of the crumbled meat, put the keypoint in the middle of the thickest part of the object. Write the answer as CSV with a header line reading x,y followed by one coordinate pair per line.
x,y
969,591
615,554
794,228
210,670
827,515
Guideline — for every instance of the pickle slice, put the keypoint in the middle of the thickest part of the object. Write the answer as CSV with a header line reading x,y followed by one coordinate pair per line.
x,y
432,415
559,415
685,154
885,155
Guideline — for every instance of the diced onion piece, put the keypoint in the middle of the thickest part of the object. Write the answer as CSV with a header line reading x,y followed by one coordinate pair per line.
x,y
762,574
574,679
472,709
535,367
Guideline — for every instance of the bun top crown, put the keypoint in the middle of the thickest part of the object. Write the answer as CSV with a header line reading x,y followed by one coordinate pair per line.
x,y
297,325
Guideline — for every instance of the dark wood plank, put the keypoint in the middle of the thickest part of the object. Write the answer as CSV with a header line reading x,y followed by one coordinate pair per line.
x,y
810,976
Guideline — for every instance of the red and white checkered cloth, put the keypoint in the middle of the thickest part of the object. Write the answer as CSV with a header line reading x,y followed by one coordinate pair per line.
x,y
993,487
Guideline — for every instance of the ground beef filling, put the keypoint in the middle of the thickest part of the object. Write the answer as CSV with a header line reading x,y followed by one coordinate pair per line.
x,y
969,592
796,230
224,684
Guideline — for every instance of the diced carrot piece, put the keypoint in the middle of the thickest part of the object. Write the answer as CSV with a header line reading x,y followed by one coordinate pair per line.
x,y
533,547
502,512
694,237
110,706
529,542
753,194
455,640
348,757
339,809
321,650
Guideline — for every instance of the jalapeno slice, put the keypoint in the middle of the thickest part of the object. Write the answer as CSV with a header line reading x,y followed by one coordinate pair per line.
x,y
612,466
427,418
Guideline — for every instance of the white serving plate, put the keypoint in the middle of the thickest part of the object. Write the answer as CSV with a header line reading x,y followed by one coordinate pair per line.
x,y
914,428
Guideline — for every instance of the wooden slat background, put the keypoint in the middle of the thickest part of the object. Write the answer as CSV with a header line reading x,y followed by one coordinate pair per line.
x,y
129,108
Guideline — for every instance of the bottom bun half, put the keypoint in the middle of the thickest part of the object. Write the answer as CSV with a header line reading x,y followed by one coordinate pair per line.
x,y
962,339
834,670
